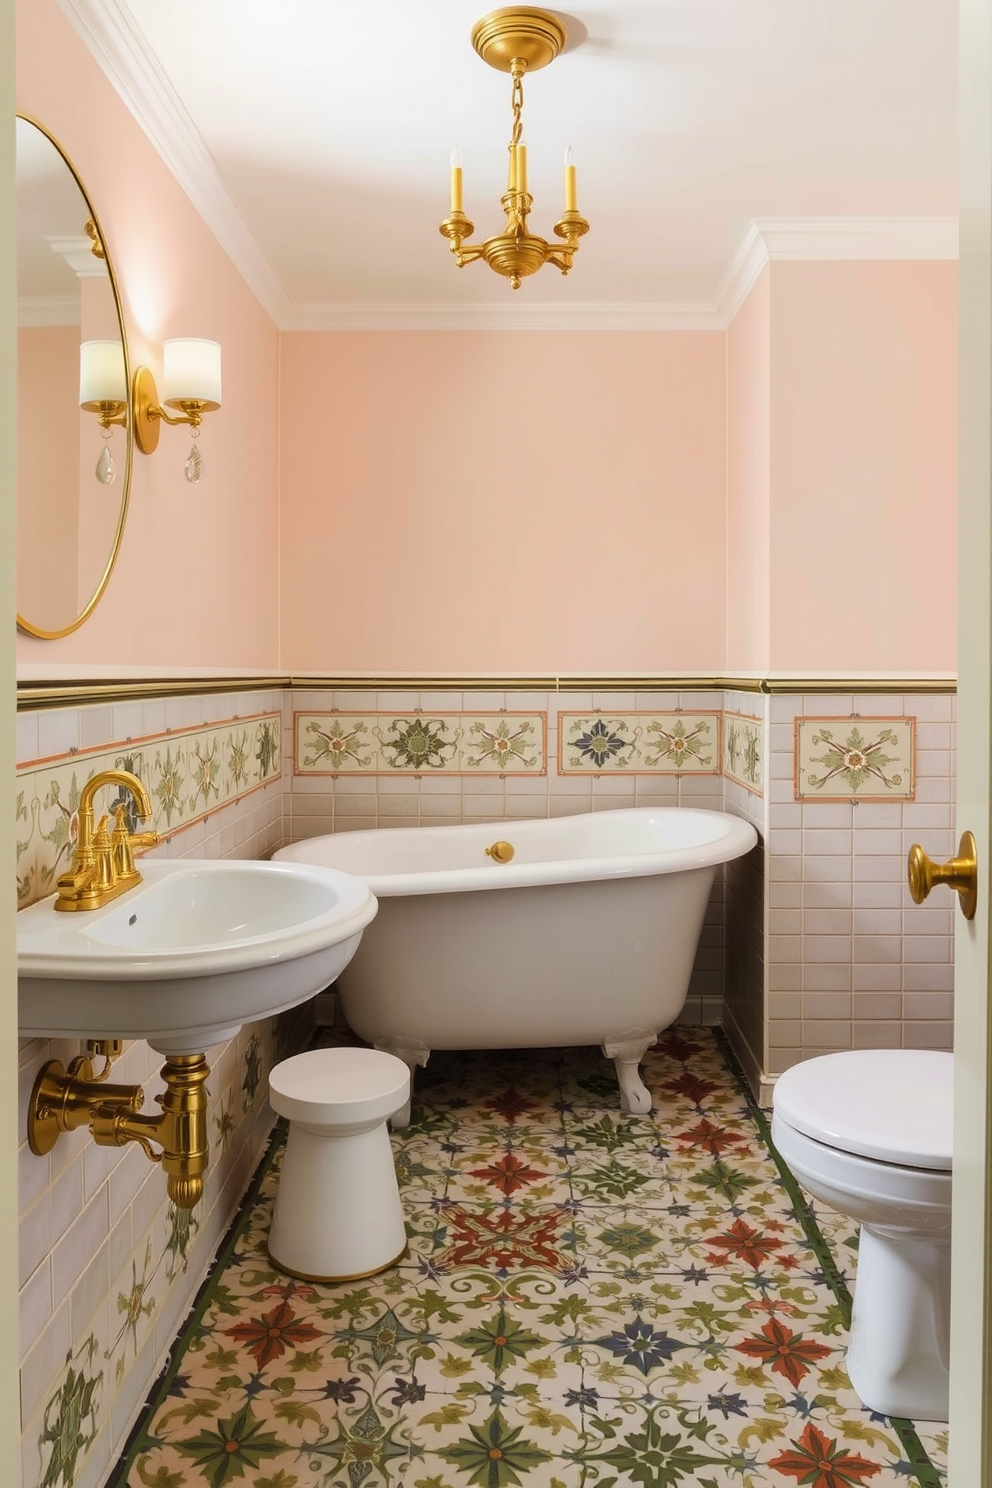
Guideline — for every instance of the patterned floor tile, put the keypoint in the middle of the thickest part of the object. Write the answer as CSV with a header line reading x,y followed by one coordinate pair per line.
x,y
587,1300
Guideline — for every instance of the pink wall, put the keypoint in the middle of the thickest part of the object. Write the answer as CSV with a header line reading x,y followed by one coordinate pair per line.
x,y
863,466
748,644
776,498
503,502
196,584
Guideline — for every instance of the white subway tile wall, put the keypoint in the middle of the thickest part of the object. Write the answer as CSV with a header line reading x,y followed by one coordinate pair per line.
x,y
861,966
810,943
108,1267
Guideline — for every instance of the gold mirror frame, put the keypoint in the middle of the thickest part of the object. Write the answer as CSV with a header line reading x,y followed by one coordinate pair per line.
x,y
23,623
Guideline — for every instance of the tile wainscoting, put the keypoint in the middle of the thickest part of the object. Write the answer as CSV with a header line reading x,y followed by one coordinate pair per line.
x,y
108,1266
810,943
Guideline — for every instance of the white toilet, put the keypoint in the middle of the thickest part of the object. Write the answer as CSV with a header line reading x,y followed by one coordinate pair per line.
x,y
868,1133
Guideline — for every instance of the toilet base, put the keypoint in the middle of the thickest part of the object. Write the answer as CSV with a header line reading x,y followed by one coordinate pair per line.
x,y
897,1359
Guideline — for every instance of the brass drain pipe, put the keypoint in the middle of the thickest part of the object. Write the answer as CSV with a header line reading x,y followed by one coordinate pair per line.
x,y
65,1099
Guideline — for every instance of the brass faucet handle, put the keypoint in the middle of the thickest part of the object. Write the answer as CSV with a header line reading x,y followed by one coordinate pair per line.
x,y
124,842
105,877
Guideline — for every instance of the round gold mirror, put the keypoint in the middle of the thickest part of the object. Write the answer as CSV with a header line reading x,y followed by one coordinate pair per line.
x,y
73,427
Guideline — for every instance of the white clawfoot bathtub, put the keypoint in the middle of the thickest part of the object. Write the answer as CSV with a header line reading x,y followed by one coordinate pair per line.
x,y
586,936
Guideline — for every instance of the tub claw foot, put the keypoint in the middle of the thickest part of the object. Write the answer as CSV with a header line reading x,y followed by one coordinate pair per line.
x,y
412,1055
635,1098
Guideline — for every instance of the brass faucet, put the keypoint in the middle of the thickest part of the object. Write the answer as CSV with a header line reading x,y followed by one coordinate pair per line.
x,y
103,865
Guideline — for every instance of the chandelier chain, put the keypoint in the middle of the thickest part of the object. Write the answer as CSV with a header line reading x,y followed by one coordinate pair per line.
x,y
517,103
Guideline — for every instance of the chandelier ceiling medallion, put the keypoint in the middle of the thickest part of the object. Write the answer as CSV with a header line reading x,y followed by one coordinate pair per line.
x,y
516,41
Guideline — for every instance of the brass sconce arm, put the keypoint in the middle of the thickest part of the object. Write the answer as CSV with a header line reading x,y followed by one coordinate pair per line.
x,y
149,414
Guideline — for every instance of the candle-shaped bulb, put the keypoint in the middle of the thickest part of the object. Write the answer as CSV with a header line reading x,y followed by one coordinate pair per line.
x,y
571,195
456,179
520,166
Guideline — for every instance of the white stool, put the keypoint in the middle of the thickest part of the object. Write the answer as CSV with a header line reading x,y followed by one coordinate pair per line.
x,y
337,1214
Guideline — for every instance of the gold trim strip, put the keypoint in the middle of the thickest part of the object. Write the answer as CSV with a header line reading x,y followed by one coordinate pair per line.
x,y
40,694
32,695
333,1280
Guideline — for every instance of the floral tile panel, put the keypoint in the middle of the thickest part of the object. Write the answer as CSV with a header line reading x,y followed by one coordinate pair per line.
x,y
419,743
189,773
867,759
588,1298
742,761
641,743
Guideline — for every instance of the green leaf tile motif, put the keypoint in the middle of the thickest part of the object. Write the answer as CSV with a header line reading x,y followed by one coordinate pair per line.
x,y
417,743
587,1300
267,747
330,745
642,743
253,1072
686,744
168,787
69,1424
188,773
742,738
135,1304
504,745
460,743
863,758
183,1225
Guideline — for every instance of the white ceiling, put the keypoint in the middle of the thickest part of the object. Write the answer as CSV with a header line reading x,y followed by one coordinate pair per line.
x,y
314,135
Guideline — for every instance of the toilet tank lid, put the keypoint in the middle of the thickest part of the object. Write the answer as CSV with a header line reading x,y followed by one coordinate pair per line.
x,y
892,1105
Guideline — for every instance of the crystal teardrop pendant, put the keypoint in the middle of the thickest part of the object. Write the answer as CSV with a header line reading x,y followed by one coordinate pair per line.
x,y
194,464
106,470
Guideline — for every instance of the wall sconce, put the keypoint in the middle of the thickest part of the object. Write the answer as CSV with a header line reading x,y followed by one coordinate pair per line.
x,y
103,391
191,383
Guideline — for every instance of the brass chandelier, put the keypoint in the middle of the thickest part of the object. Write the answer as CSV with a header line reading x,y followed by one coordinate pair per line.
x,y
516,41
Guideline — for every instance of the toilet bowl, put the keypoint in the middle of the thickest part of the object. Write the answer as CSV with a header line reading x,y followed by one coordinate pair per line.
x,y
867,1132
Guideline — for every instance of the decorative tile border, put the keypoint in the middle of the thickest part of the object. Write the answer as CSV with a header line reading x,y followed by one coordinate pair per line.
x,y
189,773
641,743
870,759
742,751
419,743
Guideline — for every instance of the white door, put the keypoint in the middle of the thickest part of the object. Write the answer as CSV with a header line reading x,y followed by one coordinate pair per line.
x,y
971,1378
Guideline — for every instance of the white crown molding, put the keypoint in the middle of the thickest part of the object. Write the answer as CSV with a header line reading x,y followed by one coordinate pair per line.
x,y
78,254
107,28
741,274
513,316
853,238
48,310
830,239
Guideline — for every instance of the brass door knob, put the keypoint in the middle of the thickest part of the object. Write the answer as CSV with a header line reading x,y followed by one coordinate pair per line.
x,y
500,852
960,874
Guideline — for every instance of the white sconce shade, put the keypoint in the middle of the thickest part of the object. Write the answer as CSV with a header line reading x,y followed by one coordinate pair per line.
x,y
101,373
191,373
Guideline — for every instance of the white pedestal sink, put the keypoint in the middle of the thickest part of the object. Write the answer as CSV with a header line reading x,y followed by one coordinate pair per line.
x,y
195,950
